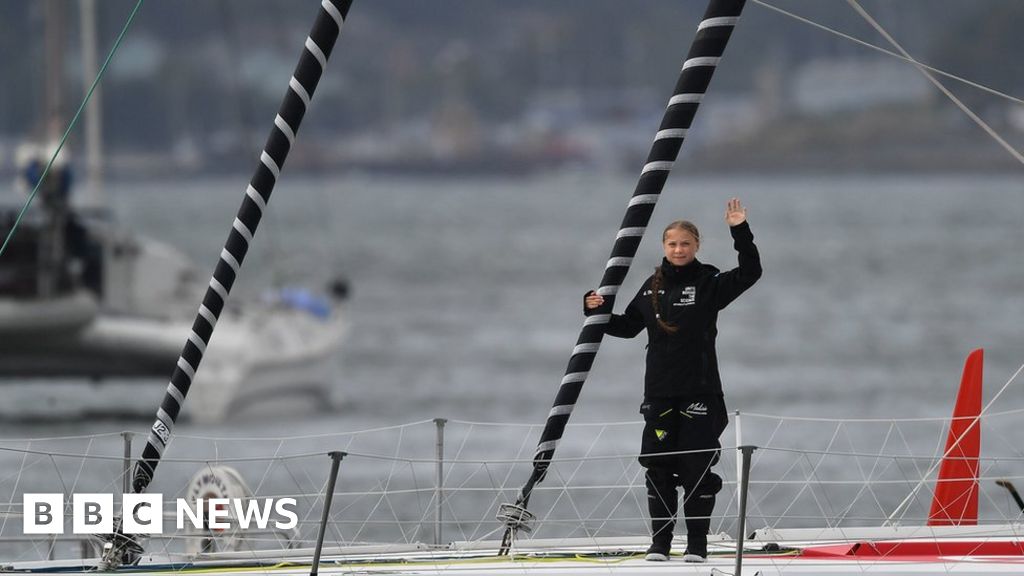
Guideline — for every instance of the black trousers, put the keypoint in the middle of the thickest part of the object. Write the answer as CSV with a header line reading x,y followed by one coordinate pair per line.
x,y
680,425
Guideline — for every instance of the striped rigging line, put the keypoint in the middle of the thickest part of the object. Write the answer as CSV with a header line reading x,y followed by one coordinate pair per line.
x,y
877,48
705,53
702,59
931,78
72,124
303,82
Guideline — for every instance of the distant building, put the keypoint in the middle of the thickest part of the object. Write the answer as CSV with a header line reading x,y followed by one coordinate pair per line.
x,y
825,86
729,118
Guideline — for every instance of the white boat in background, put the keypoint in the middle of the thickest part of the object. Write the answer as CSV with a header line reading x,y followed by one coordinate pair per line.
x,y
116,306
83,298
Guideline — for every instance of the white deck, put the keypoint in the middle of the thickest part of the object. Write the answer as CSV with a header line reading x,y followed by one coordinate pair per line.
x,y
602,558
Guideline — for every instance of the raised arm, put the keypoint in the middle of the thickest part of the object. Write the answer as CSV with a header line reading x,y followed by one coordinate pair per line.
x,y
731,284
735,213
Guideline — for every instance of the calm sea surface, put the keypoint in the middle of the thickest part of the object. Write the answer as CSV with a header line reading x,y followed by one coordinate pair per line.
x,y
466,294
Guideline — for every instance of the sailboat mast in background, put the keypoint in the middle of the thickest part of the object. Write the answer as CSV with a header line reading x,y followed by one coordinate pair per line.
x,y
93,196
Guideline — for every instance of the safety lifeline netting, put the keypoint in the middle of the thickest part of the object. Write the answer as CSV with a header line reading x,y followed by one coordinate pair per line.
x,y
393,488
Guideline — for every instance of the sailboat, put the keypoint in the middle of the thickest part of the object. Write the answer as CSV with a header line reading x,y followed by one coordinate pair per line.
x,y
593,522
83,299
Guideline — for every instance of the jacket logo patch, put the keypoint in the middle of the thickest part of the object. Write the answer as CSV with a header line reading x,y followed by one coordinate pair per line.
x,y
697,409
688,297
661,434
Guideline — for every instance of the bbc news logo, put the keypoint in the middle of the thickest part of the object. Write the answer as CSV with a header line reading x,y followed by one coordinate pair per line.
x,y
144,513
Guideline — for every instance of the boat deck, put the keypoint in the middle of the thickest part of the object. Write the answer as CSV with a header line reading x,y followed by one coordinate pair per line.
x,y
825,497
964,557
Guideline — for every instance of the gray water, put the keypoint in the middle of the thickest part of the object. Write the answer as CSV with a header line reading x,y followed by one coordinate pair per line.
x,y
467,296
467,293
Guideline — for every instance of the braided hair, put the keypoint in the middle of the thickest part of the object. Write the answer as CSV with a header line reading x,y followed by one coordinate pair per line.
x,y
658,279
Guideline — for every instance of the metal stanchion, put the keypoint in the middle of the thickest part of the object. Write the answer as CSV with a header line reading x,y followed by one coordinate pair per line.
x,y
439,481
745,452
127,468
328,497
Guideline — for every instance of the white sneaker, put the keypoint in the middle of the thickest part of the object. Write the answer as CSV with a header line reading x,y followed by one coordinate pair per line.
x,y
694,558
656,557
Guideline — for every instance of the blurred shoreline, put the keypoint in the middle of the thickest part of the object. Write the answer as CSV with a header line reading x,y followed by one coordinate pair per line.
x,y
803,155
466,290
510,89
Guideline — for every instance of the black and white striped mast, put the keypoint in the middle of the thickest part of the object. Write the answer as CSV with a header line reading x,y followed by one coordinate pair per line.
x,y
705,52
301,86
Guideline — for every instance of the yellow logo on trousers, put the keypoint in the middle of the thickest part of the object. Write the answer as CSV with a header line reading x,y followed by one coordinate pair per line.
x,y
660,433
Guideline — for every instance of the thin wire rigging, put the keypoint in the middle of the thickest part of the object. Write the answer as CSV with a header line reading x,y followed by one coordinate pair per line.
x,y
931,78
71,125
877,48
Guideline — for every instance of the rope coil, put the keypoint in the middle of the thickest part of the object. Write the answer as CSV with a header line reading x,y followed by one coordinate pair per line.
x,y
516,517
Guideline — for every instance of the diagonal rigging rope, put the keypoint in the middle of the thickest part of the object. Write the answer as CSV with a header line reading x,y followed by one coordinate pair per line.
x,y
931,78
928,71
72,124
877,48
974,423
709,44
301,87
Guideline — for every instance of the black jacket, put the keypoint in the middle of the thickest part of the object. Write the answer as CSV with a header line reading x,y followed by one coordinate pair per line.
x,y
685,363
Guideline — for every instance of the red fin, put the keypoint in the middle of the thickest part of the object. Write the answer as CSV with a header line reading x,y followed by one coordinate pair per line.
x,y
956,492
